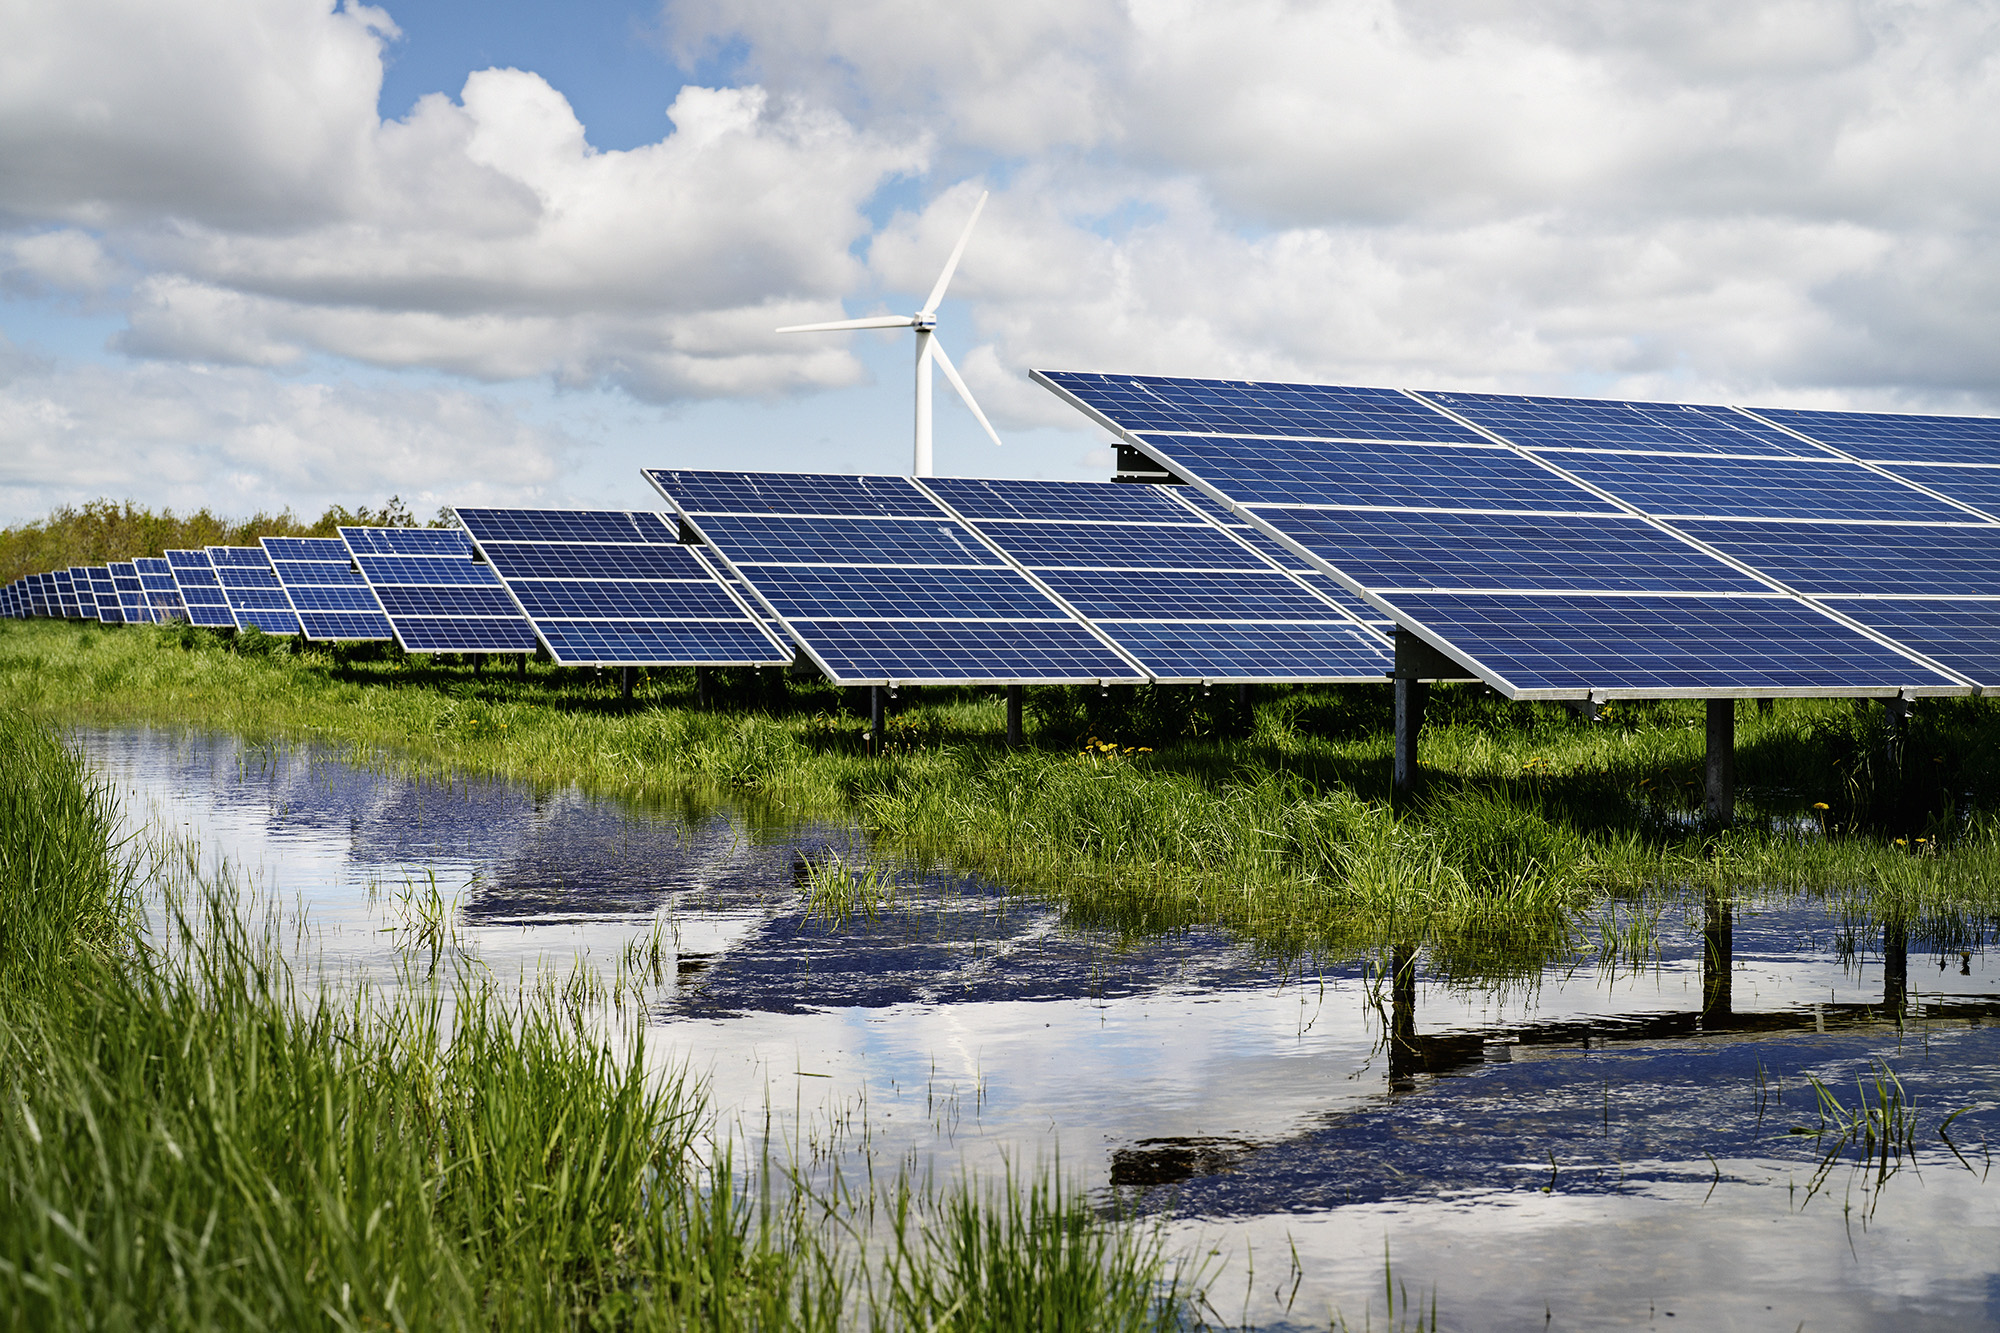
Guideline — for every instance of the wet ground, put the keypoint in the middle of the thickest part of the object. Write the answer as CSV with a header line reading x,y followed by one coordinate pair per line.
x,y
1593,1147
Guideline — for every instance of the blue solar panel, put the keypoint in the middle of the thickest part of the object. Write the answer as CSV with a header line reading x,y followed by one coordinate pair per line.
x,y
1962,635
201,592
86,595
1604,423
822,554
438,596
1975,486
793,493
1865,558
1499,552
612,587
1756,488
256,598
132,599
1239,407
335,604
156,576
1445,570
1659,647
1374,475
1880,437
105,593
1171,588
407,541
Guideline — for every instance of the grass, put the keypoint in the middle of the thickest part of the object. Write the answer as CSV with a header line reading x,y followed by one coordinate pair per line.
x,y
191,1138
1158,810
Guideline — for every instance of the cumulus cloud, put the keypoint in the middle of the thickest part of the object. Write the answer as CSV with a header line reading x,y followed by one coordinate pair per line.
x,y
237,440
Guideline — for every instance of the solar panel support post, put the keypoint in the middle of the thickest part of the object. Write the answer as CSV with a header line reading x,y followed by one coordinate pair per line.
x,y
626,676
1014,695
1718,929
1721,806
1416,662
1896,734
521,666
878,699
701,687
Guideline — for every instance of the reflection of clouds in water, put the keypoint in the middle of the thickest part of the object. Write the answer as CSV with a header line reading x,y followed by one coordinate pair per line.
x,y
976,1027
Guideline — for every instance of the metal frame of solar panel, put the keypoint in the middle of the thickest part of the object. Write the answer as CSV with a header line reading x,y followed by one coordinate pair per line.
x,y
163,594
1536,583
879,585
1903,560
256,599
608,587
202,599
1184,597
132,599
440,597
334,603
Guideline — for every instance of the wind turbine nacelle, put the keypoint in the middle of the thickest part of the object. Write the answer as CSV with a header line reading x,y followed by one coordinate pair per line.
x,y
924,320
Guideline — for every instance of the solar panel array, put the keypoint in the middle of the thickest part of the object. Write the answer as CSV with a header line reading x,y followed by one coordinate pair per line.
x,y
1181,595
879,585
201,591
616,588
256,599
334,603
1534,578
86,593
439,597
163,595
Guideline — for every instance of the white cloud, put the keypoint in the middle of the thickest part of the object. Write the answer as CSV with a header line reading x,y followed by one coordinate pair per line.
x,y
238,440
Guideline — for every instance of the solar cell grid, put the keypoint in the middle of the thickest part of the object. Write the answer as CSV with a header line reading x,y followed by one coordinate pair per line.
x,y
334,603
132,599
1975,486
822,553
1757,488
1176,591
1881,437
1157,403
1857,559
201,592
86,594
437,595
1594,423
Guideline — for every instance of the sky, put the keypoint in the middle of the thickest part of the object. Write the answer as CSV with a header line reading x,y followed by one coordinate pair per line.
x,y
258,254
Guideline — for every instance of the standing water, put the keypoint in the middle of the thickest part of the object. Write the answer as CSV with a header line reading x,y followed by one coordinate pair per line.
x,y
1779,1121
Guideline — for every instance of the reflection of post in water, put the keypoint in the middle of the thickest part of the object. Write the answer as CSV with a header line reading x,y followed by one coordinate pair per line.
x,y
1406,1061
1717,949
1895,965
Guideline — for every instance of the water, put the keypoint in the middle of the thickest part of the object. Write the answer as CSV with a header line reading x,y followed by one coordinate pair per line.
x,y
1599,1147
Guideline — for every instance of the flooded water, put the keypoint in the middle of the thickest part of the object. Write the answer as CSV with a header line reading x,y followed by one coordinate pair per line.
x,y
1599,1147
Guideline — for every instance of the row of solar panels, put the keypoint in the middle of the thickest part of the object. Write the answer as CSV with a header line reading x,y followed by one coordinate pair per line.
x,y
1556,548
877,580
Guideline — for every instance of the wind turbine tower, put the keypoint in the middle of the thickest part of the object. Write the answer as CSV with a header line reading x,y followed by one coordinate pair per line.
x,y
928,349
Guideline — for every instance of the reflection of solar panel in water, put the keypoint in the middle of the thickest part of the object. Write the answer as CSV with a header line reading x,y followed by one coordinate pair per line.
x,y
156,576
334,602
879,585
616,588
1181,595
1526,576
439,597
256,599
132,599
201,592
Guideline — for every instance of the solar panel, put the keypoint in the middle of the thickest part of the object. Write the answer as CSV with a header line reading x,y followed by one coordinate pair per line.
x,y
616,588
1538,585
156,576
201,592
334,603
256,599
132,600
1179,594
1881,437
439,596
879,585
86,591
66,604
105,593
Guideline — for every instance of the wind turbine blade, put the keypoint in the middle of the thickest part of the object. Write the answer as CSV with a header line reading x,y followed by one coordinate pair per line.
x,y
951,373
951,265
872,322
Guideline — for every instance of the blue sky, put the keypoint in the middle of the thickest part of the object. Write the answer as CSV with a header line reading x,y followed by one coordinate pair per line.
x,y
269,253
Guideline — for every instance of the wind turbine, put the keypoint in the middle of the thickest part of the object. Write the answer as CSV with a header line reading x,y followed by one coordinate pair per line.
x,y
928,350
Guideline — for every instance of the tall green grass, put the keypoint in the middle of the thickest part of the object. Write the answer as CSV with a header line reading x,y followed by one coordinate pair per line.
x,y
192,1138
